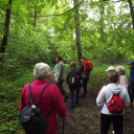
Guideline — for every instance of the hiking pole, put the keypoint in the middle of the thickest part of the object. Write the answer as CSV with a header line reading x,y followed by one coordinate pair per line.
x,y
63,126
126,121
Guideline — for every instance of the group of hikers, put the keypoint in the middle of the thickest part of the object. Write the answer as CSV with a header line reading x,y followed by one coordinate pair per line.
x,y
40,101
76,78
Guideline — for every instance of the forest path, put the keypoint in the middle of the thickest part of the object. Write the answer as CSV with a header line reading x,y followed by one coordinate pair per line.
x,y
83,119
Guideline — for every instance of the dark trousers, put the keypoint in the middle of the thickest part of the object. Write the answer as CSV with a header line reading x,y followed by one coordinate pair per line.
x,y
132,90
60,86
72,90
106,121
85,82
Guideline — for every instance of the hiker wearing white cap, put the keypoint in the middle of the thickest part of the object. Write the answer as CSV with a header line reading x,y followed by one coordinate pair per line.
x,y
122,79
113,99
110,70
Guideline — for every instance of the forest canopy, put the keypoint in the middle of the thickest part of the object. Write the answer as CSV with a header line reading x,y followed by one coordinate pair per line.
x,y
34,31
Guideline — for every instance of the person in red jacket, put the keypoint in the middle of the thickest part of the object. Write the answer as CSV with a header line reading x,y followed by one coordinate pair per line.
x,y
85,69
51,98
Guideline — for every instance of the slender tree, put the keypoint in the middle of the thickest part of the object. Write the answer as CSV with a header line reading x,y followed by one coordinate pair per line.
x,y
77,27
6,27
131,11
35,15
102,13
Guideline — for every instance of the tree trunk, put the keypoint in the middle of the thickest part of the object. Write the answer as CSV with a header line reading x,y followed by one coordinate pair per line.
x,y
77,27
131,11
102,12
6,28
35,16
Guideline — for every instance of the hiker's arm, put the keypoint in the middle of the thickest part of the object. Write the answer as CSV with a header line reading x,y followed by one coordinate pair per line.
x,y
79,75
81,68
58,102
68,76
81,80
126,98
101,98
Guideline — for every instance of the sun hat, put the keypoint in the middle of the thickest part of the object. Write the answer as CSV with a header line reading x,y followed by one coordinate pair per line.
x,y
111,68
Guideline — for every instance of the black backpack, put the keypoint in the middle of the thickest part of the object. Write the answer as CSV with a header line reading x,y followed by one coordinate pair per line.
x,y
74,78
31,117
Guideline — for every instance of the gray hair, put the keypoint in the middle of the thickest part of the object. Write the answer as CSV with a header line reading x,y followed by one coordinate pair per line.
x,y
120,69
41,71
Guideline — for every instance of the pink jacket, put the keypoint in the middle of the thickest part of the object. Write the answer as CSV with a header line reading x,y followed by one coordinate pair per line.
x,y
123,81
51,98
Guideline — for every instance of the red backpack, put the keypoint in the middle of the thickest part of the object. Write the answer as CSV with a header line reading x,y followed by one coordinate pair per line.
x,y
87,67
116,105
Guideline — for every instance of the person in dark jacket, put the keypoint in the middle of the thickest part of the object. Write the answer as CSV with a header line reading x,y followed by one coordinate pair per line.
x,y
131,65
74,81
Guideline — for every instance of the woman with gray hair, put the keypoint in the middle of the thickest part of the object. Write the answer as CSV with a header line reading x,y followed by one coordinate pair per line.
x,y
123,79
51,100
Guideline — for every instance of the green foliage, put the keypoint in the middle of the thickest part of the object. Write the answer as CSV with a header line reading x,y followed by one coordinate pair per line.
x,y
43,29
9,99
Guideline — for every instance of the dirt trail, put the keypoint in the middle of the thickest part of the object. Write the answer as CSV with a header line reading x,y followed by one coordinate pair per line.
x,y
85,118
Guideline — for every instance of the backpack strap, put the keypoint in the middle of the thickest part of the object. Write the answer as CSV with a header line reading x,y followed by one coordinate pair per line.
x,y
49,113
41,93
31,97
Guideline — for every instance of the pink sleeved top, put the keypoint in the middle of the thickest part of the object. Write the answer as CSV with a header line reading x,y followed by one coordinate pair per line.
x,y
123,81
51,98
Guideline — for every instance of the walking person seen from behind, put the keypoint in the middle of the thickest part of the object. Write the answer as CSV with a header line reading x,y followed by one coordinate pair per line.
x,y
50,103
74,81
85,69
113,99
60,76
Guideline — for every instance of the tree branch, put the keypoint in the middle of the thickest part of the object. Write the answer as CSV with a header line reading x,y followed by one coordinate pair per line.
x,y
2,8
62,6
64,12
78,5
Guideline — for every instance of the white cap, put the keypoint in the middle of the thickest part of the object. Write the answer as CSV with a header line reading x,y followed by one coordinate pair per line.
x,y
110,69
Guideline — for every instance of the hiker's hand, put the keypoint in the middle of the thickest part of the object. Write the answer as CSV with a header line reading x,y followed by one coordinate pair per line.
x,y
53,72
57,81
